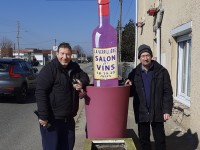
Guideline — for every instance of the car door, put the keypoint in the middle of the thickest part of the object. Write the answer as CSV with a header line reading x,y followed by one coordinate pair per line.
x,y
33,75
28,74
4,76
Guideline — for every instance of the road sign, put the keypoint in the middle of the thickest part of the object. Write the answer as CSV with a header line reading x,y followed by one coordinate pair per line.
x,y
55,48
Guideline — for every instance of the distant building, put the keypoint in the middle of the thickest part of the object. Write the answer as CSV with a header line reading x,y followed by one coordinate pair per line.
x,y
43,56
75,55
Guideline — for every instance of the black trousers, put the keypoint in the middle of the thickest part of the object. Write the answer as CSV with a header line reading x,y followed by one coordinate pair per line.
x,y
60,135
158,134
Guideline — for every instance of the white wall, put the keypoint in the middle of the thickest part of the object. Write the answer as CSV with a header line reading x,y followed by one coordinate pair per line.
x,y
40,58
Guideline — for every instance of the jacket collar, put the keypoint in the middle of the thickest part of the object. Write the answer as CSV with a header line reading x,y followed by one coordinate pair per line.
x,y
157,68
59,66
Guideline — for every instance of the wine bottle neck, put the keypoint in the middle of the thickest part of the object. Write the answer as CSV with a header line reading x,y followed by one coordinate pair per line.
x,y
104,10
104,14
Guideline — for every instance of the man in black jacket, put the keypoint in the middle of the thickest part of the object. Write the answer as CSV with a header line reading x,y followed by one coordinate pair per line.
x,y
57,97
153,101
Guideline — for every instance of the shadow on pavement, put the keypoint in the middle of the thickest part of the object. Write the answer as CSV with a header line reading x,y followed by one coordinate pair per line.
x,y
10,99
175,141
131,134
186,141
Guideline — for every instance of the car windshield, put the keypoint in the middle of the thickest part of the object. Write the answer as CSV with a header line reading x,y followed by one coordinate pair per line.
x,y
3,67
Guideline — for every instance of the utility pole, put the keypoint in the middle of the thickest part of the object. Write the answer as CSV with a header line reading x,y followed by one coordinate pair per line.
x,y
55,41
81,56
120,31
18,38
54,47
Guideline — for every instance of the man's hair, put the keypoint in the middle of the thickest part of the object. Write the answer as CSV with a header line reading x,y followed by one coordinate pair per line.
x,y
64,45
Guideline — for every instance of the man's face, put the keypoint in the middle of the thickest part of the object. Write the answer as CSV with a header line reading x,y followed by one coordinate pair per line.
x,y
64,56
145,59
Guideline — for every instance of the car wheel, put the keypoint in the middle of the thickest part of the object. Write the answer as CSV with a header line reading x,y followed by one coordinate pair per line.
x,y
22,95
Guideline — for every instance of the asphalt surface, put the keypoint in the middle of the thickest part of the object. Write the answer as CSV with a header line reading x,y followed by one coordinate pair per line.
x,y
19,128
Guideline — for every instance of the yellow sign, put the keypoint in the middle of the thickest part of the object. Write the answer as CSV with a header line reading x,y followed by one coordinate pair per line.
x,y
105,63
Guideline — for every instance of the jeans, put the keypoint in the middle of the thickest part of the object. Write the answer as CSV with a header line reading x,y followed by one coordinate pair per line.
x,y
59,136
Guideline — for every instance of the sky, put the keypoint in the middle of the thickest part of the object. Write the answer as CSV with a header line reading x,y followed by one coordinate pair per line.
x,y
42,21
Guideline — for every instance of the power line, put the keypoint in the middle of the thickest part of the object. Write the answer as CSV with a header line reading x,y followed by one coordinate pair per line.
x,y
128,10
115,10
71,0
7,31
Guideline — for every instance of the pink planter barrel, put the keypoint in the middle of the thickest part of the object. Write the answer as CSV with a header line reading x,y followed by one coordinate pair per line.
x,y
106,111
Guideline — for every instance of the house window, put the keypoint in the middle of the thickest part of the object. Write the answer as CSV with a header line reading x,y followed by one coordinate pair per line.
x,y
184,69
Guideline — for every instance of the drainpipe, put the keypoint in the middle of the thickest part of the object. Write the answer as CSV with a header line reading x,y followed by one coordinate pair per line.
x,y
158,44
136,32
157,26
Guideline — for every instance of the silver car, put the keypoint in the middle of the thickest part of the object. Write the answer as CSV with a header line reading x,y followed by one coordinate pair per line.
x,y
17,77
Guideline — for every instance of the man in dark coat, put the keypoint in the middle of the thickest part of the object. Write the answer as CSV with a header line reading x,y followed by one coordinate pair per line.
x,y
57,97
153,101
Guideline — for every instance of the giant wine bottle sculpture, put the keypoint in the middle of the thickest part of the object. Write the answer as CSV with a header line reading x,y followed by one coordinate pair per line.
x,y
104,42
106,99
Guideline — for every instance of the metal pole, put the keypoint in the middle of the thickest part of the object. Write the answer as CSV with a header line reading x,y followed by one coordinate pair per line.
x,y
158,44
136,33
55,41
18,38
51,54
53,49
120,31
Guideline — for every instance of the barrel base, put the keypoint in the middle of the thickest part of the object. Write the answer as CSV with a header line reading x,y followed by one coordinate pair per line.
x,y
121,144
106,111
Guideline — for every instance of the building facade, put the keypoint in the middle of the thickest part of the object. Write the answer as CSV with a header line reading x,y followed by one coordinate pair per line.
x,y
172,30
43,56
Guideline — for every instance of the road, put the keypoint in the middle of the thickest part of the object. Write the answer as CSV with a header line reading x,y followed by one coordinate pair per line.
x,y
19,125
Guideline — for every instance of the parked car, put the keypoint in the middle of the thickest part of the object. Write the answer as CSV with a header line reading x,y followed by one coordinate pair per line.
x,y
17,77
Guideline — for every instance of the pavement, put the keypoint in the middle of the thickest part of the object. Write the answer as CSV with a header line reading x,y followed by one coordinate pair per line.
x,y
176,137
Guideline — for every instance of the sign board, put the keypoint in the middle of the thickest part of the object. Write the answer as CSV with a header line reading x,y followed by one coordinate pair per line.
x,y
55,48
105,63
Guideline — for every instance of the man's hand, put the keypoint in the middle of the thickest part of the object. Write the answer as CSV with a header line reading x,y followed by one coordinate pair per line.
x,y
128,82
43,122
166,116
78,85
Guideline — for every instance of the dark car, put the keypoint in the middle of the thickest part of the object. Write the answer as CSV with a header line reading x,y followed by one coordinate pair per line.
x,y
17,77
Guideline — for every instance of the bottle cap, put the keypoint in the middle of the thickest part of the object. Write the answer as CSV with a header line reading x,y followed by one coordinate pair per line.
x,y
102,2
103,7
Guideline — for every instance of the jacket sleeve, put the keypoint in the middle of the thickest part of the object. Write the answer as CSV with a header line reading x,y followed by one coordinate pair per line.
x,y
42,92
82,76
131,78
167,94
131,75
84,79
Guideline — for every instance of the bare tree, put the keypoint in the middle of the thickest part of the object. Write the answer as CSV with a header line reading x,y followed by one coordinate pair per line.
x,y
80,52
79,49
6,47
